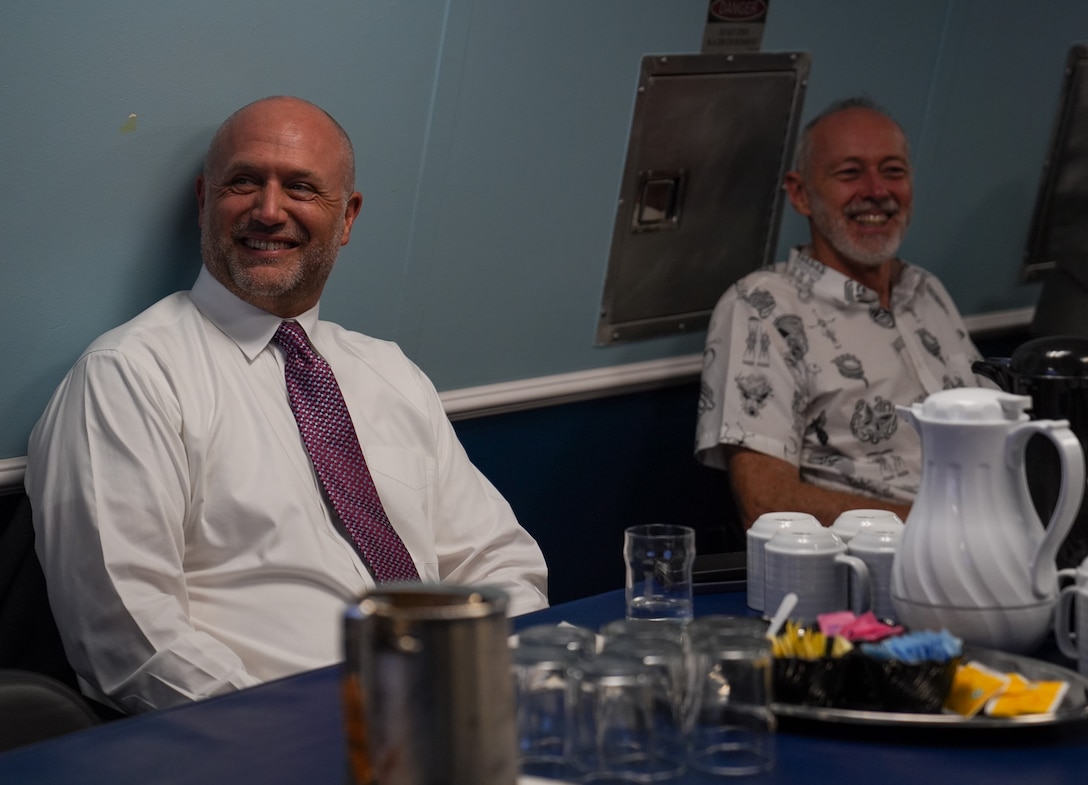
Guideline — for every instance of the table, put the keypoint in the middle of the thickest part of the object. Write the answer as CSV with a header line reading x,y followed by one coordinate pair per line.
x,y
289,731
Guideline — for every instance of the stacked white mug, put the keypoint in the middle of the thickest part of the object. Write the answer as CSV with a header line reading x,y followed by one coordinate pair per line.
x,y
758,535
815,566
852,522
1071,617
877,546
873,536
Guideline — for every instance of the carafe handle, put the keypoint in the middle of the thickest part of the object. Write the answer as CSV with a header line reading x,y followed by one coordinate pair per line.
x,y
1071,456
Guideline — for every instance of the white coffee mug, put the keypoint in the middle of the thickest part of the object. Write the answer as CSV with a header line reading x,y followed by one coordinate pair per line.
x,y
851,522
1071,617
816,567
758,535
876,546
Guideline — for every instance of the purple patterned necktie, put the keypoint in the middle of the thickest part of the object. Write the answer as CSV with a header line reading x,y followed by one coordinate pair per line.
x,y
330,438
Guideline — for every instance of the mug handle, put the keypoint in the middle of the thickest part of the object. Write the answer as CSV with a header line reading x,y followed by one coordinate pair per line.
x,y
1068,577
1063,622
861,573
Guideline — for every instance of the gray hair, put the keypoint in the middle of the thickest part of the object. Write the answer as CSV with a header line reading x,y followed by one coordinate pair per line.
x,y
803,157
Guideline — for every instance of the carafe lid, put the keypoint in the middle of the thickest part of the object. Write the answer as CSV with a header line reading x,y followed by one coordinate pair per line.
x,y
1056,356
974,404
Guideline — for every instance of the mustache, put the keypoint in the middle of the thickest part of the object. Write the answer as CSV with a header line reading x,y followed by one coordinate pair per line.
x,y
252,228
888,205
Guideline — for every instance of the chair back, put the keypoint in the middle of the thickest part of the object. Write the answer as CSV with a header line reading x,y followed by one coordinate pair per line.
x,y
34,708
28,633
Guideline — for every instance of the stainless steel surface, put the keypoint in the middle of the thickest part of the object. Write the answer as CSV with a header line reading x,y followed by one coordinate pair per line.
x,y
428,698
700,199
1074,707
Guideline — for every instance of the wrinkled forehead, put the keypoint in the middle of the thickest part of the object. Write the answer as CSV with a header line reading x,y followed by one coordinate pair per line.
x,y
858,134
292,134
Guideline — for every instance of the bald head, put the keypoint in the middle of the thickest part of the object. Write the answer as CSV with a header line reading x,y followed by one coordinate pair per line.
x,y
278,106
277,202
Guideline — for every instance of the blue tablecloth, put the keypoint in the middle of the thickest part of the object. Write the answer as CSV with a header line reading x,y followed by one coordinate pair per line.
x,y
290,732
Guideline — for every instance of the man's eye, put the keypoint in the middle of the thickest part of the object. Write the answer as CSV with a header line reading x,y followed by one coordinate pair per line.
x,y
242,182
301,190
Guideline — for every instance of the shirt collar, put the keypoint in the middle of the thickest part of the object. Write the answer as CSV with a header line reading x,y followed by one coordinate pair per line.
x,y
810,273
834,286
250,327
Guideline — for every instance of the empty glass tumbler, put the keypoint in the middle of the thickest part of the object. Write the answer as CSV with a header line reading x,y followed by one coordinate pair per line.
x,y
545,715
627,728
659,559
733,727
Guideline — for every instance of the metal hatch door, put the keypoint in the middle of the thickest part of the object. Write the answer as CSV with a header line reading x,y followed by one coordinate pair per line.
x,y
701,197
1059,231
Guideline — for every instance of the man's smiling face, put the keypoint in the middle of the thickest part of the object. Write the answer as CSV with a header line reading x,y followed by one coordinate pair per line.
x,y
856,188
276,204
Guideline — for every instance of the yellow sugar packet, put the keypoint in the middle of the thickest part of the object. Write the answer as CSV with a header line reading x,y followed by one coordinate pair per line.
x,y
1017,683
1027,697
840,646
973,685
798,642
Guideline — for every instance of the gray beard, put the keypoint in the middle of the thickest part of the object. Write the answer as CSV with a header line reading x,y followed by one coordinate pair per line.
x,y
221,255
869,254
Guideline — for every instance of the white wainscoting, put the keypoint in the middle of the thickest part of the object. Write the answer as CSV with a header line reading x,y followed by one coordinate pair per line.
x,y
11,473
560,388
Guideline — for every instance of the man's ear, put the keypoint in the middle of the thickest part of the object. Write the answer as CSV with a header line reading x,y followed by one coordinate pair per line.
x,y
795,190
351,212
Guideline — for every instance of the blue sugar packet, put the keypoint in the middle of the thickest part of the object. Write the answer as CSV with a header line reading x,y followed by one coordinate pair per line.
x,y
916,647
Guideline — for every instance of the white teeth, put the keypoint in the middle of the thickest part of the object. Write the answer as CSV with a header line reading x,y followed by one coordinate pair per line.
x,y
266,245
871,218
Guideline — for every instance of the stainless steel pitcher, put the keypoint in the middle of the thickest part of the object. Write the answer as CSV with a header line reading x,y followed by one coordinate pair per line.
x,y
427,691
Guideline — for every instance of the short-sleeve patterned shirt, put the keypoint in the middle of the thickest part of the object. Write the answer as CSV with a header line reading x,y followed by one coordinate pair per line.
x,y
803,363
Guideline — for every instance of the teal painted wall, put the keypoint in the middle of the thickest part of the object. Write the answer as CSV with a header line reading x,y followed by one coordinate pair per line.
x,y
491,136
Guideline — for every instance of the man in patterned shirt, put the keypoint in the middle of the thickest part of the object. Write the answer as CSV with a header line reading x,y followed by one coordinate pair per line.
x,y
805,361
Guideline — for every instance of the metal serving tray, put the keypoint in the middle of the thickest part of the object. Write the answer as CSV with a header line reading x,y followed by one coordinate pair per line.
x,y
1074,707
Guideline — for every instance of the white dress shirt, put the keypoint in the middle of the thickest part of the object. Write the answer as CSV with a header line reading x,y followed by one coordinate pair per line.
x,y
184,535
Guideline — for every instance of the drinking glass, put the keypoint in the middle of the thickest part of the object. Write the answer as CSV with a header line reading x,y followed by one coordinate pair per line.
x,y
641,628
545,709
667,662
626,729
733,726
727,625
659,559
567,636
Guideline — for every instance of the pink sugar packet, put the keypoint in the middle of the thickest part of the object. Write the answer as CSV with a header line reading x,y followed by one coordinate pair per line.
x,y
866,627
